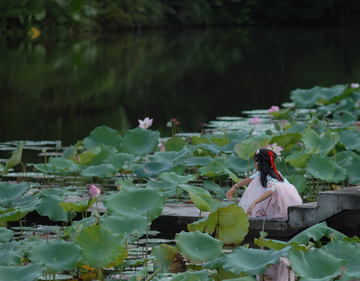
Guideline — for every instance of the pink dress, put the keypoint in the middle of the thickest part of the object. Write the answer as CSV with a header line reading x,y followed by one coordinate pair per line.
x,y
285,195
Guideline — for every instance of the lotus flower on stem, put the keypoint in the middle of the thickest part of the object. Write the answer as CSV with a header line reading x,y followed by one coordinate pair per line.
x,y
94,193
273,108
354,85
162,147
146,123
275,148
255,120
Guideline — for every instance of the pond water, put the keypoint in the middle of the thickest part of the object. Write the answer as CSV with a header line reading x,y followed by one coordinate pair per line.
x,y
62,90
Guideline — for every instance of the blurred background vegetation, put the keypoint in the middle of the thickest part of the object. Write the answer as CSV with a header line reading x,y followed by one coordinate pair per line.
x,y
79,17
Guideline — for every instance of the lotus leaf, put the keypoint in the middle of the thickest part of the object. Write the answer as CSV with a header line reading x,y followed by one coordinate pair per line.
x,y
50,207
252,261
140,274
347,251
196,140
281,114
172,177
340,173
230,224
350,139
300,128
78,207
11,257
52,191
305,98
174,144
9,245
45,168
205,202
344,116
9,192
315,232
345,158
353,171
214,187
62,164
194,189
22,273
198,161
173,157
19,211
105,153
168,259
128,183
129,202
324,143
332,94
100,247
198,247
298,158
321,167
126,225
299,181
220,140
213,169
161,185
238,165
246,150
287,141
121,160
102,135
57,256
140,142
87,156
202,275
101,171
323,266
152,169
229,148
5,234
14,159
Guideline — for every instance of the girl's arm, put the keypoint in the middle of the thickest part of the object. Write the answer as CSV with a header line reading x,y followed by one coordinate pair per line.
x,y
264,196
231,191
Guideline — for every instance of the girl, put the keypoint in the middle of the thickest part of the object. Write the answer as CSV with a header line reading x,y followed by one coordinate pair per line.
x,y
269,194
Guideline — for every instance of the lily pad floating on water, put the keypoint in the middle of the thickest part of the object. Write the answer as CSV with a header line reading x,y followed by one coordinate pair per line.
x,y
139,141
103,135
194,161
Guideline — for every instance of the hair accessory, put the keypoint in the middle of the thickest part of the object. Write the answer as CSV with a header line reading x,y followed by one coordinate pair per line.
x,y
257,152
271,154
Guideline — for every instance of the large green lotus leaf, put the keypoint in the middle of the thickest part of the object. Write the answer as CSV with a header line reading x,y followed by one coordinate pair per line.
x,y
161,185
202,275
197,140
125,225
140,141
45,168
281,114
198,247
14,159
78,207
101,171
288,141
152,169
305,98
9,192
229,148
246,150
300,128
298,158
340,173
324,143
231,224
350,252
332,94
239,165
252,261
198,161
121,160
213,169
57,256
168,259
214,187
315,265
174,157
11,257
175,178
121,184
104,135
50,208
53,191
175,144
220,140
353,171
350,139
299,181
22,273
321,167
344,116
100,247
194,189
87,156
205,202
20,211
240,136
61,164
345,158
5,234
129,202
106,152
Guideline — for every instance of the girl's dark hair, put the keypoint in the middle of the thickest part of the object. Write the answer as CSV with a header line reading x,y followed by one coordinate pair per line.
x,y
263,159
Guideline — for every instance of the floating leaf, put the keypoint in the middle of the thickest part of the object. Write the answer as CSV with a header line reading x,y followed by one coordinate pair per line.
x,y
61,164
168,259
198,161
228,148
22,273
102,135
101,171
344,116
174,157
175,178
139,141
152,169
198,247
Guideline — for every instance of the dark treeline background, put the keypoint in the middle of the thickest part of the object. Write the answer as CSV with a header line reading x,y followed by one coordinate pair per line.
x,y
61,17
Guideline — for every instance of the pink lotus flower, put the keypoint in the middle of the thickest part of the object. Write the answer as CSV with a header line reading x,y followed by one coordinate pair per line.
x,y
273,108
354,85
162,147
94,191
284,124
285,261
146,123
78,159
255,120
275,148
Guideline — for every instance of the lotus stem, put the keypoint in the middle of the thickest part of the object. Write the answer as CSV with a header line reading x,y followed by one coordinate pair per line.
x,y
27,178
152,275
200,215
97,207
147,233
21,229
71,214
121,269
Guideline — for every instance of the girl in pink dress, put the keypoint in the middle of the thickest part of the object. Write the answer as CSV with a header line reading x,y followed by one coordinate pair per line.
x,y
269,194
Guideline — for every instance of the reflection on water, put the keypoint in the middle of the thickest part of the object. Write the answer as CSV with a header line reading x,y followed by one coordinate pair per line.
x,y
54,90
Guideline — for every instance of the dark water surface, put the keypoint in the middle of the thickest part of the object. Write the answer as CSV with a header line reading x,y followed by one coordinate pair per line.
x,y
62,90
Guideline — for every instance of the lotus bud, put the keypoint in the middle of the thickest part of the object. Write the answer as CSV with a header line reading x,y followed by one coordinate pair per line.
x,y
44,150
332,135
284,124
285,261
162,147
94,191
78,159
173,120
168,124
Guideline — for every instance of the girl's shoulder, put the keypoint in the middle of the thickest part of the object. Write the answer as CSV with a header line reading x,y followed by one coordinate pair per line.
x,y
256,174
